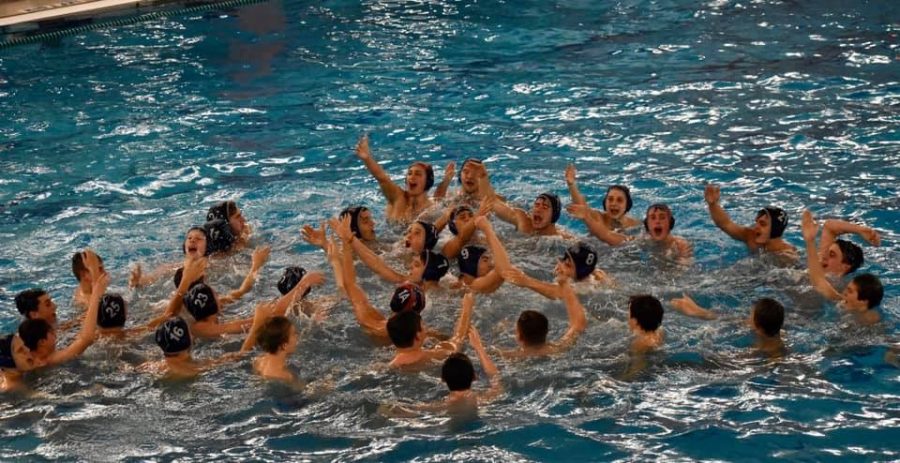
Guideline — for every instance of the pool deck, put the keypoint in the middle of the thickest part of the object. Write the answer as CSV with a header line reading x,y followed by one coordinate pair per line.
x,y
19,12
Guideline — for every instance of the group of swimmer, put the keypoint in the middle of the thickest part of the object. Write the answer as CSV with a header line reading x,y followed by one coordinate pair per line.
x,y
483,263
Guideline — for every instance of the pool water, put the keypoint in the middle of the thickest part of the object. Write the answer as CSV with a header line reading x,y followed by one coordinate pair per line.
x,y
119,139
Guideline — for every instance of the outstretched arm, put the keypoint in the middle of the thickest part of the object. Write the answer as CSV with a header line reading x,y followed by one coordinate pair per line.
x,y
501,258
687,306
577,315
712,194
451,248
260,256
834,228
488,365
517,277
441,191
193,269
88,330
577,197
487,283
596,225
390,189
462,324
318,237
368,257
816,272
368,318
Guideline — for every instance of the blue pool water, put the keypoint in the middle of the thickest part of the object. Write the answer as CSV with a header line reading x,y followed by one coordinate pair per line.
x,y
117,139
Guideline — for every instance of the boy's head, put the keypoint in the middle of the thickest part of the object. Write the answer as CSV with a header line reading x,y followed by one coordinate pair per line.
x,y
361,223
842,257
469,261
277,333
545,211
461,215
201,302
408,297
38,336
458,372
405,328
221,237
420,236
79,269
173,336
770,224
469,174
291,278
531,328
431,265
864,292
659,221
645,312
112,311
578,262
229,212
419,178
196,243
617,201
768,316
35,303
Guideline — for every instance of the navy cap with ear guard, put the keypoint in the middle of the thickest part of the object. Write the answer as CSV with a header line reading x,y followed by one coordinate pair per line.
x,y
463,166
200,302
624,189
468,260
112,311
431,235
584,258
290,278
436,265
662,207
354,212
220,236
219,211
429,174
408,297
452,223
173,336
555,204
778,218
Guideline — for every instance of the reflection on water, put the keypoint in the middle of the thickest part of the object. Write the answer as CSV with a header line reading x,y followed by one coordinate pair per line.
x,y
117,139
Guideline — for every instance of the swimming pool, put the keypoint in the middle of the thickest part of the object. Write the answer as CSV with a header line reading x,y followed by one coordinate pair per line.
x,y
118,139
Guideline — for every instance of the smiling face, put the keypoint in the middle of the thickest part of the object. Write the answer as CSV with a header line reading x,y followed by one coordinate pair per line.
x,y
366,225
416,179
762,229
541,214
850,298
658,223
195,244
615,203
833,261
469,177
415,238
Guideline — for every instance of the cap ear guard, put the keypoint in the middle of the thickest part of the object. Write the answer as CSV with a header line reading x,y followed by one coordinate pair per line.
x,y
660,207
624,189
452,223
173,336
291,278
431,236
219,211
555,204
407,297
463,166
436,266
468,260
112,311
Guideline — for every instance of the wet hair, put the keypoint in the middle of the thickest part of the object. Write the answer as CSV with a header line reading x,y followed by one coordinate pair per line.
x,y
458,372
205,234
555,204
647,311
436,265
851,254
179,274
223,210
624,189
274,334
468,259
533,327
463,166
869,289
33,331
662,207
408,297
778,218
112,311
290,278
452,223
354,213
768,316
402,328
220,237
431,235
173,336
584,258
78,266
429,173
200,302
27,301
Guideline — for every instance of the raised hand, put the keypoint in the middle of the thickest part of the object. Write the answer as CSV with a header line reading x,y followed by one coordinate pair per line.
x,y
134,279
809,226
313,236
570,174
711,194
362,148
871,236
449,171
260,256
579,211
313,279
514,275
341,226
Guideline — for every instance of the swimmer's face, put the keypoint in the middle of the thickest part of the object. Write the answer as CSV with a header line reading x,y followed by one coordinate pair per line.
x,y
461,218
615,203
195,244
47,345
416,269
46,310
762,229
237,222
850,298
470,174
415,179
565,267
541,214
485,264
366,225
415,238
658,224
833,261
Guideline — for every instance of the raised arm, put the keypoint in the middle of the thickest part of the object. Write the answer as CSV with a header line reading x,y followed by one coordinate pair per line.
x,y
260,256
462,323
487,283
441,190
712,194
501,258
596,225
87,334
366,315
318,237
687,306
193,269
835,227
390,189
451,248
375,263
487,365
308,281
517,277
577,197
576,313
816,272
